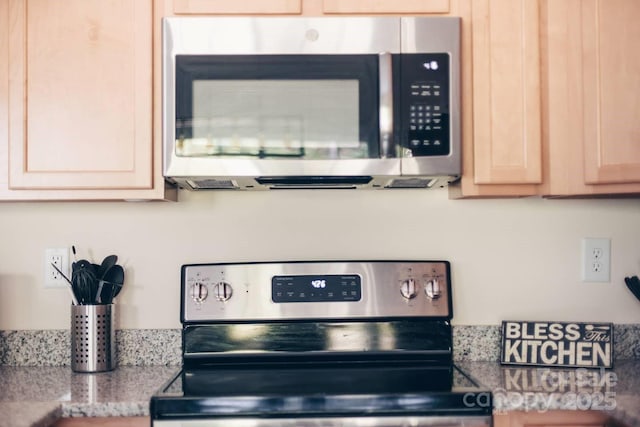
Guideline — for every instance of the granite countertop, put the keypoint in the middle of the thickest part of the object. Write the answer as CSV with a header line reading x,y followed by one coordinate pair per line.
x,y
614,391
38,396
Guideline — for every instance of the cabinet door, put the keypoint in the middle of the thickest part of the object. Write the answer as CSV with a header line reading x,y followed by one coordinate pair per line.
x,y
80,94
551,418
221,7
611,85
385,6
104,422
4,95
506,87
592,84
501,138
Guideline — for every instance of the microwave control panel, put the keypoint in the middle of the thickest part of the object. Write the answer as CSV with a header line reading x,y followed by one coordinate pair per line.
x,y
425,113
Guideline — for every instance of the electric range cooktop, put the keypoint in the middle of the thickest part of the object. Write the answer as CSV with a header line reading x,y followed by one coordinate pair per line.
x,y
349,389
331,343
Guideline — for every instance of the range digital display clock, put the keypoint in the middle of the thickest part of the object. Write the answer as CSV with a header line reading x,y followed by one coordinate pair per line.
x,y
316,288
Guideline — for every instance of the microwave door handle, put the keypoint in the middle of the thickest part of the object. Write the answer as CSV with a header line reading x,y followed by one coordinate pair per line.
x,y
386,104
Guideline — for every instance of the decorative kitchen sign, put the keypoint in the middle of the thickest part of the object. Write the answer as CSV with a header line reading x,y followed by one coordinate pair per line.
x,y
583,345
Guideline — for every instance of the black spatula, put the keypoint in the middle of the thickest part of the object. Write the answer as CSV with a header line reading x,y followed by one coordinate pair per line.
x,y
633,283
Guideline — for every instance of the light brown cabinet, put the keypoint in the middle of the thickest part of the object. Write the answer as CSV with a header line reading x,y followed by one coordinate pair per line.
x,y
592,87
245,7
553,419
105,422
77,86
385,6
309,7
555,99
502,148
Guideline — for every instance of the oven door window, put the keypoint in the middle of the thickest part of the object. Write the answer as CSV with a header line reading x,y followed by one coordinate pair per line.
x,y
316,107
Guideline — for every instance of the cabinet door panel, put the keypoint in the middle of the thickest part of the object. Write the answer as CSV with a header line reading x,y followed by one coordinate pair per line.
x,y
4,94
552,418
506,88
611,85
238,7
385,6
591,105
80,84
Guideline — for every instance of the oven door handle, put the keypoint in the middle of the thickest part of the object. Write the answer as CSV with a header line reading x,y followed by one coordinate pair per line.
x,y
386,104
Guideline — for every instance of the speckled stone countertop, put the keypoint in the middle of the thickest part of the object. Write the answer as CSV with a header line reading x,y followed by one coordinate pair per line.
x,y
613,391
38,396
38,387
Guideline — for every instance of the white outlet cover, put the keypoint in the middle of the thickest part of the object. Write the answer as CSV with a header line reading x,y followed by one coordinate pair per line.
x,y
596,259
63,253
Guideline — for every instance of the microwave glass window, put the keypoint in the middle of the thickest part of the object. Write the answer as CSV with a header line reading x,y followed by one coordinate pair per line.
x,y
315,107
311,119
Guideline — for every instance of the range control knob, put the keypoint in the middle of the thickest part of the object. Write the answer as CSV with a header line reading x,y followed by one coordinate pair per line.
x,y
222,291
199,292
408,289
432,288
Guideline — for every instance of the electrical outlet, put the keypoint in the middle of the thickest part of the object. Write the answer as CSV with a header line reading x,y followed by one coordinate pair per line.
x,y
60,258
596,260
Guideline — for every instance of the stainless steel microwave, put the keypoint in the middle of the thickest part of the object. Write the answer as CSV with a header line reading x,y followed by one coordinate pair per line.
x,y
323,102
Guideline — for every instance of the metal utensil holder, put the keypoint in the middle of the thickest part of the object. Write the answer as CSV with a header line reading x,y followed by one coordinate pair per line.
x,y
93,338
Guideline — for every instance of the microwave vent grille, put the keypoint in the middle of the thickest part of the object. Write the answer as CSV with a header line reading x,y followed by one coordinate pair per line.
x,y
412,183
212,184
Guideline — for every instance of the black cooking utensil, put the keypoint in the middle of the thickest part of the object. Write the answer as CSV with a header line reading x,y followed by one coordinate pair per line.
x,y
107,263
112,284
84,281
104,268
633,283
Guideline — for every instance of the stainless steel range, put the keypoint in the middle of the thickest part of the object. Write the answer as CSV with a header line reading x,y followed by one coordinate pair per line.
x,y
327,344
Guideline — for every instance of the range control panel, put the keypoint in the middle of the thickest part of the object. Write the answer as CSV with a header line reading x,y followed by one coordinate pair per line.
x,y
315,290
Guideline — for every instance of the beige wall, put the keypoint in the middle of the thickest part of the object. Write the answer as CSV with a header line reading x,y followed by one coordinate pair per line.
x,y
511,259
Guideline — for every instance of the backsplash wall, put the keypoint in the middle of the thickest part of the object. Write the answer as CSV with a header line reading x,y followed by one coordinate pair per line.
x,y
511,259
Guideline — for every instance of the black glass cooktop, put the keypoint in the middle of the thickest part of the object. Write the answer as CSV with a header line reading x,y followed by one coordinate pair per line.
x,y
350,389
